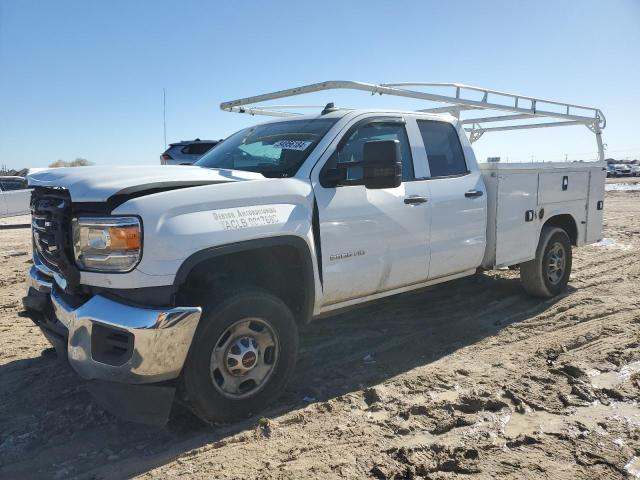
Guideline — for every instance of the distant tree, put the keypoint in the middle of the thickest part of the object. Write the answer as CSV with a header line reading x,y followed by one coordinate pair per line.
x,y
78,162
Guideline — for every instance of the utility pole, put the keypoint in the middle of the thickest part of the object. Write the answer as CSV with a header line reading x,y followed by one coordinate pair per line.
x,y
164,116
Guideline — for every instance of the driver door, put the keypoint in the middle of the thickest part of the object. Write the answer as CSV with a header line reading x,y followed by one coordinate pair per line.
x,y
372,240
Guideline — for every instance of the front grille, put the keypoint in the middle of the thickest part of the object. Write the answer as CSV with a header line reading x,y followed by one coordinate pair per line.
x,y
51,230
45,222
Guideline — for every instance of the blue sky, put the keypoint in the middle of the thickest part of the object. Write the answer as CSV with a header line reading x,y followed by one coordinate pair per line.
x,y
85,79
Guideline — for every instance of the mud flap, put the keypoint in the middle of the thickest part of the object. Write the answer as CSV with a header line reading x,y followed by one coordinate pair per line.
x,y
148,404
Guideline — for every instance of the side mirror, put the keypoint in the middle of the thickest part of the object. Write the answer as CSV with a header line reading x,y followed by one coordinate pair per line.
x,y
381,164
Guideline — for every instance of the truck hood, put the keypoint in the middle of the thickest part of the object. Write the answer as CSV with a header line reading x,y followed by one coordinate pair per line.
x,y
99,184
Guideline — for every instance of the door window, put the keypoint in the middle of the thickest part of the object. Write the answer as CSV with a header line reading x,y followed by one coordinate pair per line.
x,y
444,151
352,149
12,184
197,148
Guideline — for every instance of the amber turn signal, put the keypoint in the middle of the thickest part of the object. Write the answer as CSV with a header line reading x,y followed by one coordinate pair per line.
x,y
125,238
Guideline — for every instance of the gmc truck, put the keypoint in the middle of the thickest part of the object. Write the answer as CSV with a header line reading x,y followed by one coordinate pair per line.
x,y
195,280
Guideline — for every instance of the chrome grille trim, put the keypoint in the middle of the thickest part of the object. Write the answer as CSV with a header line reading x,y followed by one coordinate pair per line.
x,y
50,211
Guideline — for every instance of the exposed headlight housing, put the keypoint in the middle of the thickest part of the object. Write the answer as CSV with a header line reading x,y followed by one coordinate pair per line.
x,y
107,244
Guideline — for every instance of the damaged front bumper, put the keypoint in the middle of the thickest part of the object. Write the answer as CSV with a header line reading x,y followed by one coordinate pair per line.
x,y
108,341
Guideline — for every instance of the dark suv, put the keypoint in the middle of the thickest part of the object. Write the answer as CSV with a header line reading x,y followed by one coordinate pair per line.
x,y
186,152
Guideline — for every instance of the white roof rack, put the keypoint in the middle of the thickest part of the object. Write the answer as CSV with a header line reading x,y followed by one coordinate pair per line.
x,y
460,98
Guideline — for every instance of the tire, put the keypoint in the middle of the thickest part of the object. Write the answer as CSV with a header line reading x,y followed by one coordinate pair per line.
x,y
548,273
214,380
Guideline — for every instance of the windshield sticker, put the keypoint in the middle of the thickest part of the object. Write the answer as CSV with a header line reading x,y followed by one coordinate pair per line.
x,y
299,145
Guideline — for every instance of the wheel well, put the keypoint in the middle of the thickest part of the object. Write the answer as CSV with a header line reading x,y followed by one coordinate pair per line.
x,y
567,223
281,270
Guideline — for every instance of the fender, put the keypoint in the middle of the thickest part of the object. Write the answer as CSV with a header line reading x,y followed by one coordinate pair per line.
x,y
260,243
567,221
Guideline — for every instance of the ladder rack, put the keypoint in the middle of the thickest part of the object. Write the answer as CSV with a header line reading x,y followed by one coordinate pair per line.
x,y
458,98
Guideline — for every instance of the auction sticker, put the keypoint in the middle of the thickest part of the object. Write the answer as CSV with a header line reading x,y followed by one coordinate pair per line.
x,y
248,217
299,145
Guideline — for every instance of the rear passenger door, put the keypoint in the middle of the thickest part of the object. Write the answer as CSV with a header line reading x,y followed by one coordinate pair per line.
x,y
458,200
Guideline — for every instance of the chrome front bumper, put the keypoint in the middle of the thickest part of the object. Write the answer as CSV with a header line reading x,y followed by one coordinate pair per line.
x,y
160,337
38,279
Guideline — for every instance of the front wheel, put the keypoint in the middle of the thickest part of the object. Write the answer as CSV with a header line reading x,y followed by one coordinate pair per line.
x,y
548,273
242,357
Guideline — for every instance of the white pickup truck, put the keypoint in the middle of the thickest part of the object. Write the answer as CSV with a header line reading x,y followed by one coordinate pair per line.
x,y
198,278
14,197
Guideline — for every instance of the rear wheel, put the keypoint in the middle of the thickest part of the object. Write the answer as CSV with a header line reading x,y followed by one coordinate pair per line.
x,y
242,357
548,273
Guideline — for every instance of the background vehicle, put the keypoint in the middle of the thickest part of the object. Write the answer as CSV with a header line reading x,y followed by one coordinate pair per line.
x,y
288,221
186,152
14,196
635,170
621,170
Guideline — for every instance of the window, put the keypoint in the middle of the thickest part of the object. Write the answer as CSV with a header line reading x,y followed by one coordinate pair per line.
x,y
444,151
352,150
276,149
11,184
197,148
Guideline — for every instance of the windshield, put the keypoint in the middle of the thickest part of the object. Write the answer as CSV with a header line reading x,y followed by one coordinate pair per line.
x,y
275,149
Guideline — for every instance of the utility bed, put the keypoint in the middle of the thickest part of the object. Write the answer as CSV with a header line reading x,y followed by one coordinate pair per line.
x,y
538,190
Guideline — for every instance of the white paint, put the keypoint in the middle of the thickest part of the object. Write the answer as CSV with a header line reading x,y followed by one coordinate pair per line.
x,y
392,235
97,184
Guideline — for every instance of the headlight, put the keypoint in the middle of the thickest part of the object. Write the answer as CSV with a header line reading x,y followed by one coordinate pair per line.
x,y
109,244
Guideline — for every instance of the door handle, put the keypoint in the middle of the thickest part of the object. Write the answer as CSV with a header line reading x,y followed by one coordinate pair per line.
x,y
473,193
415,200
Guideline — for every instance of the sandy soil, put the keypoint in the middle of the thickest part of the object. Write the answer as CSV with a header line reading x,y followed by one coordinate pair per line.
x,y
471,378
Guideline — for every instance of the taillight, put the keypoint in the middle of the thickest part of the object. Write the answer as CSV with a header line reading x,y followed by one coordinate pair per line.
x,y
164,157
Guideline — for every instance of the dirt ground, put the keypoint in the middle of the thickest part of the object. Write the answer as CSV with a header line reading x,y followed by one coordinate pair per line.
x,y
472,379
